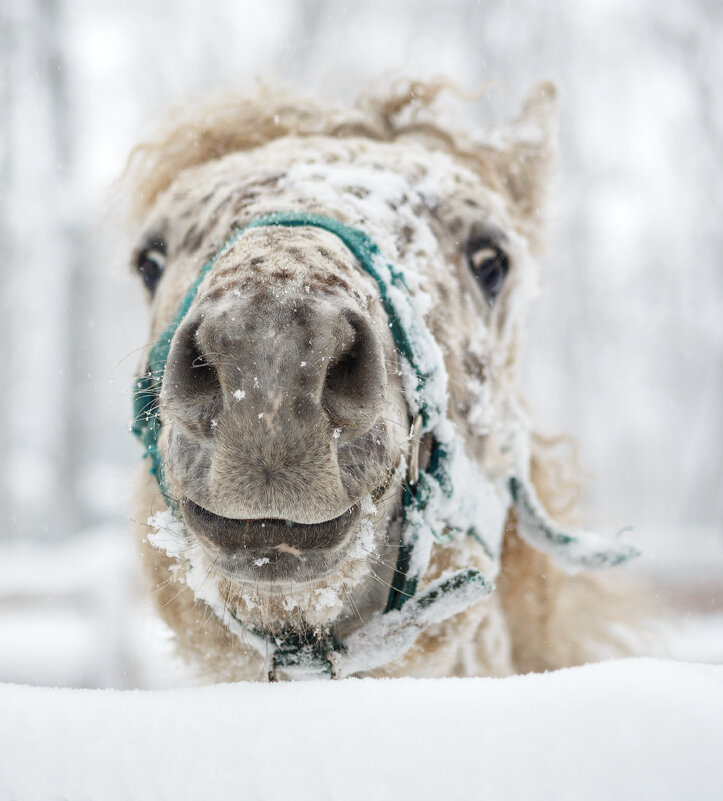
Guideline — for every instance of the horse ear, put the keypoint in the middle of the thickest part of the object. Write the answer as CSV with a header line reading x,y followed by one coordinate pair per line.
x,y
523,154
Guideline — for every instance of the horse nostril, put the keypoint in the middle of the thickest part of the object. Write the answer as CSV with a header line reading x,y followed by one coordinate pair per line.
x,y
355,378
203,377
341,375
191,385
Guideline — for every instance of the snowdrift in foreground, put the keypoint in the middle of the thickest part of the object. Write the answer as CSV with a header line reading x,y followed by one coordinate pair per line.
x,y
631,729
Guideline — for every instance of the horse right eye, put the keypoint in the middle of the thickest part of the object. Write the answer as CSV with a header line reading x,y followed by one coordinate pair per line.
x,y
150,264
489,265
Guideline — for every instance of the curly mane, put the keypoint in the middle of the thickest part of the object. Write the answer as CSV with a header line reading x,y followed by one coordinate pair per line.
x,y
199,133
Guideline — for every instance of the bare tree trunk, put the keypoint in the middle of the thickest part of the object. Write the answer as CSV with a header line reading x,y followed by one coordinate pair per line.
x,y
40,199
74,300
6,242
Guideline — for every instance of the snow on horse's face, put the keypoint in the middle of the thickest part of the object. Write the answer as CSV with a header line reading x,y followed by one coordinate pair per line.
x,y
286,431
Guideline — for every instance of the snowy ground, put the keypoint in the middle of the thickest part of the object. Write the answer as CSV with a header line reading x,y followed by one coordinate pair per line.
x,y
633,729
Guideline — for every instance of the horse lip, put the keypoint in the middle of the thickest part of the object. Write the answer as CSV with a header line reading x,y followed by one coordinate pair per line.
x,y
263,537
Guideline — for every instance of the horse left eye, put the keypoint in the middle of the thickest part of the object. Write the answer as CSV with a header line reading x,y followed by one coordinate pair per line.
x,y
150,264
489,264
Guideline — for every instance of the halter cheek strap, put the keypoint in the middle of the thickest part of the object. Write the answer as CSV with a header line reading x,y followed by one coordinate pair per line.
x,y
448,498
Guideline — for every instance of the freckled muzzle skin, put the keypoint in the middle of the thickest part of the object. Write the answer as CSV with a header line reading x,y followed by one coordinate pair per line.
x,y
277,407
272,382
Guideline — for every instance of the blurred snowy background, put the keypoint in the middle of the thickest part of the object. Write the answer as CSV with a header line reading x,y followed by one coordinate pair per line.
x,y
626,345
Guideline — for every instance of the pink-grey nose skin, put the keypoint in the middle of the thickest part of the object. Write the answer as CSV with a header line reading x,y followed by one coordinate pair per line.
x,y
304,368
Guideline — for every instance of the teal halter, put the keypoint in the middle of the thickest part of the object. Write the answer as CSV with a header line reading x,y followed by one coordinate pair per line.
x,y
426,393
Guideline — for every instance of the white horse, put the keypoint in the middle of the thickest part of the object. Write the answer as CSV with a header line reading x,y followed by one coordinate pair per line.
x,y
340,476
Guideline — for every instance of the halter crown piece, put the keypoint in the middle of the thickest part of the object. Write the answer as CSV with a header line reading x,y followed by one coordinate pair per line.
x,y
450,496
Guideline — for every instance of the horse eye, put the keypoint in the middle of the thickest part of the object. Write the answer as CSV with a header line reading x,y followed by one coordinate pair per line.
x,y
150,264
490,266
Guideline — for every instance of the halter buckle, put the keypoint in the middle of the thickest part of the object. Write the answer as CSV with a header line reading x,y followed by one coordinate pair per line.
x,y
415,434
